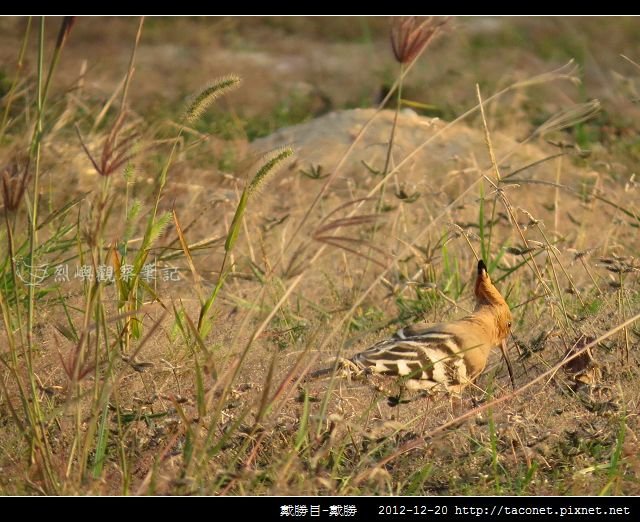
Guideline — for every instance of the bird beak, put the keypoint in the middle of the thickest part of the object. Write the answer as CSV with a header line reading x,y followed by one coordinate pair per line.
x,y
503,346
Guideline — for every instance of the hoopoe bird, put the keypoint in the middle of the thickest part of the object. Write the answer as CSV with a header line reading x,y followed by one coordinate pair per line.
x,y
445,356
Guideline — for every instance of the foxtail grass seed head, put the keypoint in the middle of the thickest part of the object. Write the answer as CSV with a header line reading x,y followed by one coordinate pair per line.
x,y
208,95
410,35
272,163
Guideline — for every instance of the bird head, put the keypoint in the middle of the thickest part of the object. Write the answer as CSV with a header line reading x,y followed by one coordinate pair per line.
x,y
489,298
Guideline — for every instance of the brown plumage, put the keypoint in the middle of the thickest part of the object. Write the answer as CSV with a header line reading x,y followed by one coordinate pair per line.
x,y
445,356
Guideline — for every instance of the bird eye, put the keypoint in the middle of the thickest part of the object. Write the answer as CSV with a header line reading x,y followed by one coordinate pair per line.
x,y
509,324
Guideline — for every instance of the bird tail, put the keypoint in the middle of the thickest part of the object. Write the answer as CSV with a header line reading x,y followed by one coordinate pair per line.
x,y
319,373
336,364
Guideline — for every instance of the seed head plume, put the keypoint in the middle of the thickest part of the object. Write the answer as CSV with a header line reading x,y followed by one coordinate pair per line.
x,y
14,184
209,94
65,29
569,117
273,161
410,35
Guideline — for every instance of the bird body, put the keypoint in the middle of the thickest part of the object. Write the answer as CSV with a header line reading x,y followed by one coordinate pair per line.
x,y
446,356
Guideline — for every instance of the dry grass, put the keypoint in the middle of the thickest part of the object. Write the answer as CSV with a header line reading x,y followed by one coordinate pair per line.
x,y
146,384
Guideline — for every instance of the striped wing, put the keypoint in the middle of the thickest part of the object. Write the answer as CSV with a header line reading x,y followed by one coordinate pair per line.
x,y
432,357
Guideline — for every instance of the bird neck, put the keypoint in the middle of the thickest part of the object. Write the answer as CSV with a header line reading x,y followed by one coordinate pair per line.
x,y
485,318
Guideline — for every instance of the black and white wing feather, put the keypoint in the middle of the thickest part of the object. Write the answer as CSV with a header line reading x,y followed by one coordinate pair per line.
x,y
430,359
